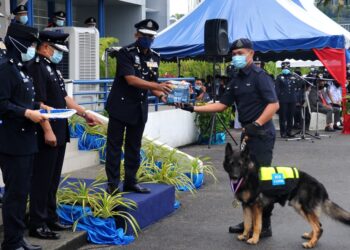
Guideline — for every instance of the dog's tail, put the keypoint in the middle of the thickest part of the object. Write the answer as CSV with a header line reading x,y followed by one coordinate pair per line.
x,y
336,212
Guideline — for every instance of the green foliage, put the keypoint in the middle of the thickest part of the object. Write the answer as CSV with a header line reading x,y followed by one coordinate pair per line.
x,y
202,121
189,68
106,42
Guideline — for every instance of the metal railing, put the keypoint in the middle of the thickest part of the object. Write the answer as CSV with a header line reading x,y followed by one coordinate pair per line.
x,y
104,89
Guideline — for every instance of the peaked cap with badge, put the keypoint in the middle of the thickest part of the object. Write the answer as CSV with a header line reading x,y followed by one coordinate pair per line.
x,y
60,15
20,9
147,26
90,21
56,39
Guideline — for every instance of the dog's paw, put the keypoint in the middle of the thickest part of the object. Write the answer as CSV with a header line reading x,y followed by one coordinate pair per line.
x,y
252,241
242,237
306,236
308,245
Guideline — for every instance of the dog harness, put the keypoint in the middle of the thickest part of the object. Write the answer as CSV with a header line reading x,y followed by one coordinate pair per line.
x,y
277,181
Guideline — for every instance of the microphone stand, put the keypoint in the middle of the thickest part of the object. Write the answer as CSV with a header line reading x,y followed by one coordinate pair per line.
x,y
302,133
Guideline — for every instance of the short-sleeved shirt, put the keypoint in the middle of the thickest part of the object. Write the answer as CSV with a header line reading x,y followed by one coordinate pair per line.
x,y
127,103
252,89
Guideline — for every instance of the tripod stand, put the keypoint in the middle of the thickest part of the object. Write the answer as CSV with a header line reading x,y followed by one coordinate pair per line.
x,y
215,116
302,133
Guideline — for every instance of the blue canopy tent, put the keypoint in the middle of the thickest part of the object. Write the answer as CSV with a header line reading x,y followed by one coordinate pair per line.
x,y
281,26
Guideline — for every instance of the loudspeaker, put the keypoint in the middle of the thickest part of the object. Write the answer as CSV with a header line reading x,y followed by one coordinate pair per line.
x,y
215,37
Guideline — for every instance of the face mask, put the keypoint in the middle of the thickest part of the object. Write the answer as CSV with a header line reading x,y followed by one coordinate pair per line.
x,y
56,57
285,71
60,23
145,42
29,55
23,19
239,61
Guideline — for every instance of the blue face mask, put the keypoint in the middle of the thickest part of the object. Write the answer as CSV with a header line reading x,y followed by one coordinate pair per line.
x,y
145,42
56,57
239,62
29,55
59,23
23,19
285,71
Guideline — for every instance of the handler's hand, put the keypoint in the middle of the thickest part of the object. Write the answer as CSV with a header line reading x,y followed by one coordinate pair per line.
x,y
186,107
165,87
253,130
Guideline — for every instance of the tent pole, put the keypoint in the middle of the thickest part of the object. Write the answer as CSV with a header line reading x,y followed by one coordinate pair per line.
x,y
178,66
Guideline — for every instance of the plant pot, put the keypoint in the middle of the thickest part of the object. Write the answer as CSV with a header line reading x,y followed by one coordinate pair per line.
x,y
217,139
91,142
77,131
197,180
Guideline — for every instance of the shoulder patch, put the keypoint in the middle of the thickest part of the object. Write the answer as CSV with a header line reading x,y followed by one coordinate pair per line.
x,y
130,48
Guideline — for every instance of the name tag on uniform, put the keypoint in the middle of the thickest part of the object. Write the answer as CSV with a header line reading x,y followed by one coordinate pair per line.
x,y
278,180
152,64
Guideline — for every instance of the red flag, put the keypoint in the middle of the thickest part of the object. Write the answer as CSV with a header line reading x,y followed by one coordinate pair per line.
x,y
335,62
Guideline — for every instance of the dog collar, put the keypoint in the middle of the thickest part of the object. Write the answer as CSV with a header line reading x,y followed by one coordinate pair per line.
x,y
234,190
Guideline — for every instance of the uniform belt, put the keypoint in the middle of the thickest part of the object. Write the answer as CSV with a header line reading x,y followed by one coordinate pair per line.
x,y
266,125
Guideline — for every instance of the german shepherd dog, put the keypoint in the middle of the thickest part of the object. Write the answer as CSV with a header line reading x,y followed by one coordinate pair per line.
x,y
308,198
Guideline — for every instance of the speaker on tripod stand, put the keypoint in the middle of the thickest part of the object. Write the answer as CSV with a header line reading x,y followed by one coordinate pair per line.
x,y
216,46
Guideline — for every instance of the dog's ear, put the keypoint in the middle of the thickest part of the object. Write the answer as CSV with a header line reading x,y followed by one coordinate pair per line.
x,y
228,149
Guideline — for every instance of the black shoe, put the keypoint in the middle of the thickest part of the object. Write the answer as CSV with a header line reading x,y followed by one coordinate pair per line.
x,y
237,229
329,129
27,246
337,127
56,226
136,188
43,232
290,135
111,189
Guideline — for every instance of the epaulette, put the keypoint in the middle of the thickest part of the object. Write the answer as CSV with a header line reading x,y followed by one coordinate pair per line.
x,y
154,52
130,48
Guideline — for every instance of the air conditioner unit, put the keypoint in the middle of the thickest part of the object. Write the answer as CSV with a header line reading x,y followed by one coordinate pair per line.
x,y
82,62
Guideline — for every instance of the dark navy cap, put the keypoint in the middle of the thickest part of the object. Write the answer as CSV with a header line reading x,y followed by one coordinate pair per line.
x,y
285,65
90,20
147,26
60,15
242,43
56,39
20,9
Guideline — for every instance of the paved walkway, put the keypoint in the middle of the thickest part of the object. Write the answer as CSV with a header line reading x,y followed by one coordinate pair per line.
x,y
202,221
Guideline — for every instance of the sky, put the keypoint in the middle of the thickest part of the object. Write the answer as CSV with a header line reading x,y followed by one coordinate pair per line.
x,y
178,6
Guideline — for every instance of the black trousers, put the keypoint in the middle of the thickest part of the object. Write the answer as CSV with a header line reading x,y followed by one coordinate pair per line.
x,y
286,114
45,181
16,171
133,138
297,116
261,152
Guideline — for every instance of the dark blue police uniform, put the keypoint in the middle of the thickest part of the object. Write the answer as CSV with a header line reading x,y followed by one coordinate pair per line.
x,y
286,89
128,111
252,90
50,90
18,137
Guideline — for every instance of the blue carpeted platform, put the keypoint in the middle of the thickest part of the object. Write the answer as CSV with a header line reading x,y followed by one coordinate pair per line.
x,y
150,207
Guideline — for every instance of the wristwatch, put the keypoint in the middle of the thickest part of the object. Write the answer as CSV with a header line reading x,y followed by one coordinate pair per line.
x,y
256,124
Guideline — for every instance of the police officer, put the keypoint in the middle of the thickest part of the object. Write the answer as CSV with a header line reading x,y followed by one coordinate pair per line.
x,y
90,22
17,131
58,20
127,105
52,135
286,89
254,94
21,14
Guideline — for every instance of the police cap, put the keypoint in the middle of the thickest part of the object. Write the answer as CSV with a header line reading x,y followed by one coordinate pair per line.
x,y
55,39
20,9
60,15
90,21
285,65
242,43
147,26
25,34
